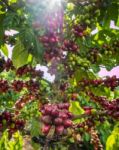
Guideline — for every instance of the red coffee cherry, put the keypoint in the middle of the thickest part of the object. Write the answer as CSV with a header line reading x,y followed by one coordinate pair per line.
x,y
59,129
46,119
67,123
63,115
58,121
48,109
46,129
55,112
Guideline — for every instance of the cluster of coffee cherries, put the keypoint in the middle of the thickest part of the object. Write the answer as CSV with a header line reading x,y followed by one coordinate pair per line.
x,y
93,55
8,121
86,125
24,70
17,85
32,86
49,40
110,82
79,30
22,101
70,46
110,49
111,107
95,139
4,86
5,64
28,70
56,115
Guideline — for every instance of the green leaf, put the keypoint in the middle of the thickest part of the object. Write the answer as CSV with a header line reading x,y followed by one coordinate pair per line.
x,y
112,142
30,41
12,1
19,55
38,50
4,49
111,14
76,109
80,74
35,127
30,58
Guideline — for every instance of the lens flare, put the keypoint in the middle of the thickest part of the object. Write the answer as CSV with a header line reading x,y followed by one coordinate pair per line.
x,y
54,13
49,14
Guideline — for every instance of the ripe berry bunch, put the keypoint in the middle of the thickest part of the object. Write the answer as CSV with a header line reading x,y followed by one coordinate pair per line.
x,y
86,82
53,54
24,70
56,115
8,65
78,30
8,121
5,64
35,73
28,70
3,86
49,39
64,86
112,107
32,86
69,46
17,85
111,82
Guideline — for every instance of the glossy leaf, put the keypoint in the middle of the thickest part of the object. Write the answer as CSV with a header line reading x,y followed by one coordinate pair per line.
x,y
19,55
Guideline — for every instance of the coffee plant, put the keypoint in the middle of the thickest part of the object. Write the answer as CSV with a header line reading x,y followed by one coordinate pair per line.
x,y
74,40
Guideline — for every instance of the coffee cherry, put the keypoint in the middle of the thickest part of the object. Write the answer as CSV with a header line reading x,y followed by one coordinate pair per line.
x,y
17,85
6,115
63,115
61,105
70,115
59,129
8,122
58,121
46,119
48,110
43,112
55,112
19,124
67,123
46,129
88,111
66,105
